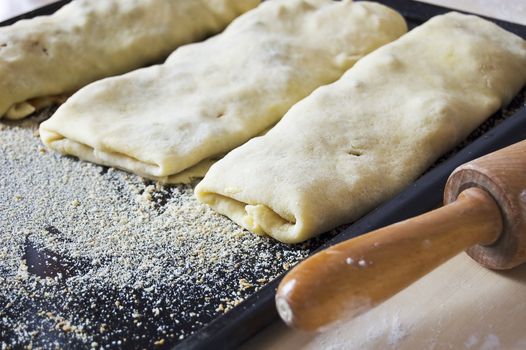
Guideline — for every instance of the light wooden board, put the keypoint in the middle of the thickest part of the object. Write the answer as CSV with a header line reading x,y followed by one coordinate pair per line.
x,y
508,10
12,8
460,305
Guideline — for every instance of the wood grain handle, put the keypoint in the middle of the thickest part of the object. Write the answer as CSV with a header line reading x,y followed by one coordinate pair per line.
x,y
351,277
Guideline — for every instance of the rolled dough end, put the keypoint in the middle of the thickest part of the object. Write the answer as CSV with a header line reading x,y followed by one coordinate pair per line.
x,y
256,218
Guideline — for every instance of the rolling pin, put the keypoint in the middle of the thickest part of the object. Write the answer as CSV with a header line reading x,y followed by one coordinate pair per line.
x,y
484,213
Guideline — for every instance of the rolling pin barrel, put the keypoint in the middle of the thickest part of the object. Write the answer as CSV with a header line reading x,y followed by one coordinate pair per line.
x,y
502,175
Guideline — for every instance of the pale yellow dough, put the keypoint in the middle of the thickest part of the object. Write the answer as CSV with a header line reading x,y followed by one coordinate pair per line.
x,y
353,144
88,40
163,122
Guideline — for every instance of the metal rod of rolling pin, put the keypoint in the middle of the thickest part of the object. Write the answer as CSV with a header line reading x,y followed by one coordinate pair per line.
x,y
349,278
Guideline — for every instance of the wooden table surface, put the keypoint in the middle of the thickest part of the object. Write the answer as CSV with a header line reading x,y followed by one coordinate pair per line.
x,y
12,8
460,305
510,10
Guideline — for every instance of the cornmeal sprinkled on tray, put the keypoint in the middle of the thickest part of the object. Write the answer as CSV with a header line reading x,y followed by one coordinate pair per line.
x,y
91,255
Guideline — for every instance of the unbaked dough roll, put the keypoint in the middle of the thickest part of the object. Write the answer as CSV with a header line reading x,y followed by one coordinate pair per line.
x,y
46,57
169,122
352,145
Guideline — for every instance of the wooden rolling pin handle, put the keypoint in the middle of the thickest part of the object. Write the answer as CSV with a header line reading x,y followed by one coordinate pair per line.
x,y
351,277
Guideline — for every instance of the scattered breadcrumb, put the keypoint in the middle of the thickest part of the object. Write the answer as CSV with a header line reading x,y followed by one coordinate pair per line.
x,y
91,256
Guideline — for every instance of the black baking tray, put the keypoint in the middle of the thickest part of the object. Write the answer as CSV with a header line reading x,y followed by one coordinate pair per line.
x,y
258,311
